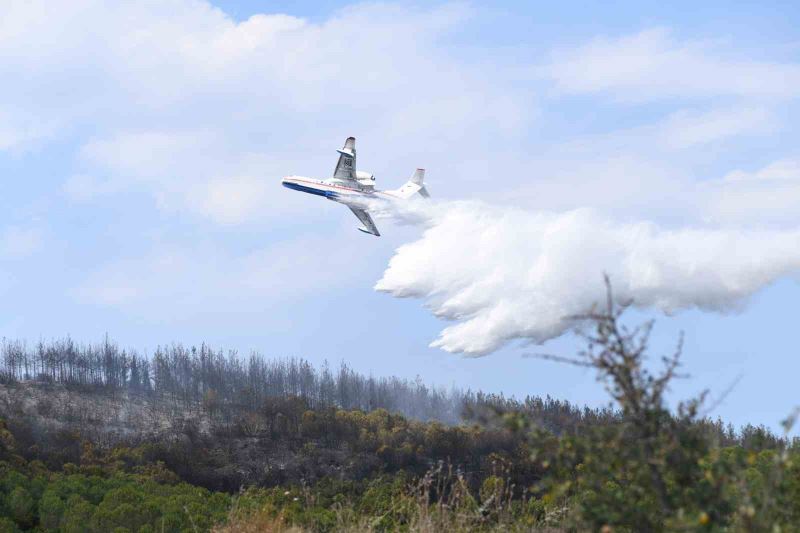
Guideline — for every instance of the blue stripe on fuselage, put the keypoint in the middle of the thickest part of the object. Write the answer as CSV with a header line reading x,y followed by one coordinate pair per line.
x,y
309,190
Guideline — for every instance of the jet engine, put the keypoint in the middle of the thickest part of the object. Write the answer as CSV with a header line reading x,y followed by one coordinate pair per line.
x,y
365,179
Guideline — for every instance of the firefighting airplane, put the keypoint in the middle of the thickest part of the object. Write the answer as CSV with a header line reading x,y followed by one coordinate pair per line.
x,y
356,189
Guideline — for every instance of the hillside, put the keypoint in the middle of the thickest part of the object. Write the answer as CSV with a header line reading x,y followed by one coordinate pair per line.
x,y
97,439
224,448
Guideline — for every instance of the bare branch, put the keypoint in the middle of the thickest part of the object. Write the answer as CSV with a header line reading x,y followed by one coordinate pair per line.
x,y
560,359
721,398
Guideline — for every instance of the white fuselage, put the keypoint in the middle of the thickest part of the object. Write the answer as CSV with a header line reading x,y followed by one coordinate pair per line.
x,y
356,188
348,192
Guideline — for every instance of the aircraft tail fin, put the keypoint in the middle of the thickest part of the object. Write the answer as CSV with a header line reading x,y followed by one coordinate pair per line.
x,y
413,186
346,166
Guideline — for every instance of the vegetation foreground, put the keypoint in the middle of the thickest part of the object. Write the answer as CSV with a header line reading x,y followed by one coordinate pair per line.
x,y
241,460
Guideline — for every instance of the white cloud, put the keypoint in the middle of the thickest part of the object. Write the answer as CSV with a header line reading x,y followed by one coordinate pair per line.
x,y
685,129
158,161
185,171
232,200
652,65
506,274
19,129
83,188
143,155
204,114
767,196
665,169
179,279
18,242
179,98
782,170
622,182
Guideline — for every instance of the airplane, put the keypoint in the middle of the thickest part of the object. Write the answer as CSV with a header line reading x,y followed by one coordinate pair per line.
x,y
356,188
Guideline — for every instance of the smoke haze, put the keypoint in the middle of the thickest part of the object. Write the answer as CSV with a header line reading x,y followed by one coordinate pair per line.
x,y
503,273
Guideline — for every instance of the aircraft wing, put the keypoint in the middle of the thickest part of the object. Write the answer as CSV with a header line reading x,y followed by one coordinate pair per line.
x,y
369,225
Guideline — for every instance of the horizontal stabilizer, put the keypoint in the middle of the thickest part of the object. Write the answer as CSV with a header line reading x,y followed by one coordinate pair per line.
x,y
413,186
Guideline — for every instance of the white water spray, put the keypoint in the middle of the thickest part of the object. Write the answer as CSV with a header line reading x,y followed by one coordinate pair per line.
x,y
505,274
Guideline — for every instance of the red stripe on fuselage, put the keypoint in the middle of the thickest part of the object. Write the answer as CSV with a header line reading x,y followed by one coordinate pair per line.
x,y
345,188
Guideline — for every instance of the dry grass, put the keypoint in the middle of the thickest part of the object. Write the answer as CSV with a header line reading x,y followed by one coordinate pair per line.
x,y
258,522
439,502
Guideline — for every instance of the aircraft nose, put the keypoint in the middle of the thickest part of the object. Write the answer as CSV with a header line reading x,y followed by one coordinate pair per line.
x,y
288,182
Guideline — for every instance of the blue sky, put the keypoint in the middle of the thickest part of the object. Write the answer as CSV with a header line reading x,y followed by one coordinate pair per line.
x,y
141,148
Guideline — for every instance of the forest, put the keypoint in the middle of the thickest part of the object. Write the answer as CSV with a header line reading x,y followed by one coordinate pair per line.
x,y
227,382
96,438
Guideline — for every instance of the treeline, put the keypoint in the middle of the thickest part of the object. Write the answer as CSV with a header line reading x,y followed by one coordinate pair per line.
x,y
315,450
225,382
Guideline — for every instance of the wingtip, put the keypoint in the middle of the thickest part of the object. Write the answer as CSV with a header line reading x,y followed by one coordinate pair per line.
x,y
376,233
